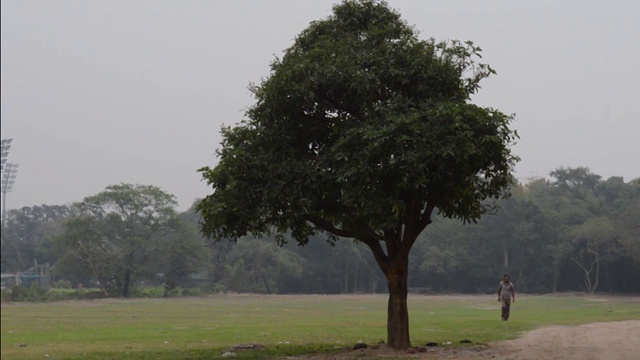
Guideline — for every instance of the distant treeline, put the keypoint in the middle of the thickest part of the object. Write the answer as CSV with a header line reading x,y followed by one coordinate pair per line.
x,y
574,232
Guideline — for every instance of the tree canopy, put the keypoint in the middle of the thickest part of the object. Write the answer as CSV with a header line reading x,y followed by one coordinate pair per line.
x,y
549,237
362,130
117,231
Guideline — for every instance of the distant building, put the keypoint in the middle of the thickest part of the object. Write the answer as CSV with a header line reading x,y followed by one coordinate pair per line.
x,y
26,279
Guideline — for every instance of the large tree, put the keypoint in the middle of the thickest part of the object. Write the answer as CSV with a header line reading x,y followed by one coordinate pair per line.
x,y
118,232
362,130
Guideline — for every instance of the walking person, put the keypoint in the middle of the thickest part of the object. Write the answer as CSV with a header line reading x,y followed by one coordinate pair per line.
x,y
505,294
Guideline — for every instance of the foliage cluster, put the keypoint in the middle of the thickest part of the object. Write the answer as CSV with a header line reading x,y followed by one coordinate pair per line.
x,y
115,239
575,232
35,294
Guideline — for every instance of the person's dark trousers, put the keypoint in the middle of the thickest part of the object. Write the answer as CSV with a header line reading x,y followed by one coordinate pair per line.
x,y
506,306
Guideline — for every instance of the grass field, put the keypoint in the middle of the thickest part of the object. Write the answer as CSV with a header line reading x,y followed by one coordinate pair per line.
x,y
205,327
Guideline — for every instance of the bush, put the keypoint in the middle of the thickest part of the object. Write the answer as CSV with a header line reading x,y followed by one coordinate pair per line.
x,y
5,295
63,284
35,294
147,292
32,293
207,289
219,288
190,292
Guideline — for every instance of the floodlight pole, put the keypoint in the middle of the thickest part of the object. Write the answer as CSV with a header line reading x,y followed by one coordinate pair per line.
x,y
8,179
6,145
4,152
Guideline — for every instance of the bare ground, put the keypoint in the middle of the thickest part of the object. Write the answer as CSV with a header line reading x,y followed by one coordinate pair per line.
x,y
607,341
597,341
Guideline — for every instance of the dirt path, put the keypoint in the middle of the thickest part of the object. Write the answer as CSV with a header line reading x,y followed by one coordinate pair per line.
x,y
597,341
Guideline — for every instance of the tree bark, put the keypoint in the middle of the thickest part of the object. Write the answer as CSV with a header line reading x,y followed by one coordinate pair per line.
x,y
355,277
590,287
126,283
266,284
505,256
398,313
103,288
168,286
346,279
394,263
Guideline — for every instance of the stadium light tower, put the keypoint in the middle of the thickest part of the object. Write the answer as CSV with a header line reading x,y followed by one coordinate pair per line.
x,y
8,179
6,145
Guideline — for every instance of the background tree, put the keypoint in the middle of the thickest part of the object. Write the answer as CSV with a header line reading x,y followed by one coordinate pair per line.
x,y
342,267
27,237
593,243
362,130
262,267
182,253
450,258
119,232
87,247
517,230
544,228
624,274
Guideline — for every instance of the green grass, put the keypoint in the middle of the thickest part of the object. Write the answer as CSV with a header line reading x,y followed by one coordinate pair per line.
x,y
205,327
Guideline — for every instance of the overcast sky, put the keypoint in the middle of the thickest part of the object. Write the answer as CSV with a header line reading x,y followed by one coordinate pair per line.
x,y
102,92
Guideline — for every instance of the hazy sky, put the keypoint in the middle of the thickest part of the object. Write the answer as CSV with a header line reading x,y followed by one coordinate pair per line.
x,y
102,92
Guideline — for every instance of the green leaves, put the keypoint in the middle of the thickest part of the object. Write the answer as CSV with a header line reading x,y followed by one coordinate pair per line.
x,y
117,231
361,129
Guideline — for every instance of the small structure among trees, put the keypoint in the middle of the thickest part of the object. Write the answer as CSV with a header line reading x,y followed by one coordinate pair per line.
x,y
39,276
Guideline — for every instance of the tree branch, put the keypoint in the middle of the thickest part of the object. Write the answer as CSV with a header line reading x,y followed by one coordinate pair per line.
x,y
378,253
328,226
425,217
370,238
412,231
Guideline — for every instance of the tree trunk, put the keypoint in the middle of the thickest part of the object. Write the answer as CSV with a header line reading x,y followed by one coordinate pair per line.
x,y
505,256
266,284
590,287
125,285
168,286
128,266
597,262
355,278
103,288
398,314
346,279
556,275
